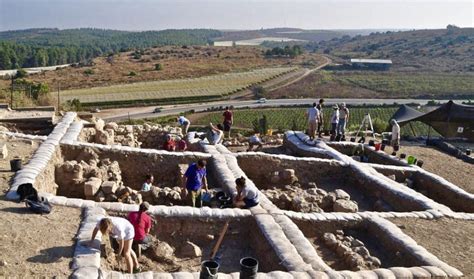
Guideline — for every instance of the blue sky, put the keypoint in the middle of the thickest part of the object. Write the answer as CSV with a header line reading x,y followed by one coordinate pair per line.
x,y
235,14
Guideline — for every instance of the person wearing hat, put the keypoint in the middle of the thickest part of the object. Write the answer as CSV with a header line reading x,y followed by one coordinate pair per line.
x,y
343,120
141,222
183,121
321,118
334,121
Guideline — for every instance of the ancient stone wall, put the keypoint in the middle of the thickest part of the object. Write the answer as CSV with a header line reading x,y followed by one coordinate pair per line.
x,y
136,163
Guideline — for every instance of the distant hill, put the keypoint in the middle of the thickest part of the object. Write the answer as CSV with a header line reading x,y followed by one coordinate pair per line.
x,y
441,50
47,47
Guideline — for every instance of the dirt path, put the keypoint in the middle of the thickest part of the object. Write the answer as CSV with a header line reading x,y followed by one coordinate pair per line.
x,y
284,80
452,241
450,168
31,245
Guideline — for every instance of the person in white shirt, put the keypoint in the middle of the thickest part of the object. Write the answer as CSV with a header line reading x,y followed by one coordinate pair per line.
x,y
183,121
122,230
343,120
215,135
312,115
395,134
255,140
148,182
247,196
334,120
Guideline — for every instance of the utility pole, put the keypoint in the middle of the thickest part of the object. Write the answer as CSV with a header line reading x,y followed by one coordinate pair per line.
x,y
11,95
58,99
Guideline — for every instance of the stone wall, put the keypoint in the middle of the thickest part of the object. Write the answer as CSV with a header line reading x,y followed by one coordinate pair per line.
x,y
260,166
136,163
144,136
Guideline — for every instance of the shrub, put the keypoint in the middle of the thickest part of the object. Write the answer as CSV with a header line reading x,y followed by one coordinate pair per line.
x,y
132,74
158,67
89,72
21,73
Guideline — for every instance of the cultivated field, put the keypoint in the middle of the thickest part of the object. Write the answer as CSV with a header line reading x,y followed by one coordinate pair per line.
x,y
205,87
352,84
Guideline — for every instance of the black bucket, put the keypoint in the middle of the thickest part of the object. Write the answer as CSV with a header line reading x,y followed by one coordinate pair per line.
x,y
248,268
225,200
468,152
382,147
209,270
403,156
419,163
371,143
15,165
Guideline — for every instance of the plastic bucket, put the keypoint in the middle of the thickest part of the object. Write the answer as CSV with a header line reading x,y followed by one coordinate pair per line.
x,y
419,163
411,160
15,165
403,156
225,200
468,152
371,143
248,268
382,147
209,270
378,146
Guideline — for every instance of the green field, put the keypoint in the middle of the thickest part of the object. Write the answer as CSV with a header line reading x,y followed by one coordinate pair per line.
x,y
404,84
293,118
210,86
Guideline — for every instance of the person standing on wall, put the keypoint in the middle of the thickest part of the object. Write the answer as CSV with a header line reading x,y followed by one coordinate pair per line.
x,y
343,120
312,115
194,180
183,121
321,118
395,136
228,120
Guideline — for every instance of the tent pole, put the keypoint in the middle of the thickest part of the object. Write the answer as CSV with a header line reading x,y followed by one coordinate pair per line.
x,y
412,130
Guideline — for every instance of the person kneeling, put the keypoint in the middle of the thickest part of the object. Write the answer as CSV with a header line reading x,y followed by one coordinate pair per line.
x,y
142,224
247,196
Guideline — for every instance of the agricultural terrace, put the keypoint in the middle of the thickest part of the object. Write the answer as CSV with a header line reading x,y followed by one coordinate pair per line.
x,y
366,84
210,86
294,118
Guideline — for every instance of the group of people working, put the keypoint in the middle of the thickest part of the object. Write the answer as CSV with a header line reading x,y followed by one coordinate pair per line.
x,y
339,119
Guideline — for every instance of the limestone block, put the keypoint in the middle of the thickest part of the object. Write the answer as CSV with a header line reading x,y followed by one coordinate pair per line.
x,y
85,273
341,194
109,187
3,151
190,250
345,206
99,124
92,186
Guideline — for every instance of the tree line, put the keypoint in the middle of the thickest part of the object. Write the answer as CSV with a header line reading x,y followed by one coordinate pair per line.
x,y
48,47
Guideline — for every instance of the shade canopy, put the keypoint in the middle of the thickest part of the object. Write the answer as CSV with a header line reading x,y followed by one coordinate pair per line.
x,y
450,120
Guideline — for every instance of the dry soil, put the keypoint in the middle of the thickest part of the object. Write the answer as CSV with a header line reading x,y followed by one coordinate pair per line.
x,y
33,245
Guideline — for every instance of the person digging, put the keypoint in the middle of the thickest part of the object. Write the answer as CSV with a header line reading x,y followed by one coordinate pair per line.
x,y
194,180
123,232
141,222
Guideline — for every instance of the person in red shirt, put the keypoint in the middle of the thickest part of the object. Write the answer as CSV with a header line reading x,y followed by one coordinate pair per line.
x,y
141,222
228,120
170,144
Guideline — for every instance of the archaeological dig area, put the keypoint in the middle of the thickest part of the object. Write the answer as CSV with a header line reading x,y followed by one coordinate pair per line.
x,y
321,213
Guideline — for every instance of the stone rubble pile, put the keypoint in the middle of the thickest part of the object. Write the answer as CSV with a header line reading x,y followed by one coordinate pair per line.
x,y
313,199
351,250
147,135
240,140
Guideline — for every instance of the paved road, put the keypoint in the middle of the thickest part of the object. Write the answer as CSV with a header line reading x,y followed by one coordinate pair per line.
x,y
147,112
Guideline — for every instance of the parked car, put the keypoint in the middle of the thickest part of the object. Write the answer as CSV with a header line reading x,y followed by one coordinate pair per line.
x,y
262,100
157,110
95,110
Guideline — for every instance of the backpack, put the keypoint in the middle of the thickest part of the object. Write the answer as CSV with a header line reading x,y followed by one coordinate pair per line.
x,y
27,191
40,207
